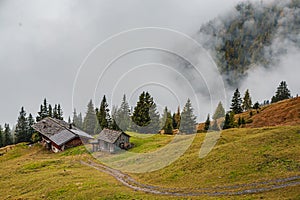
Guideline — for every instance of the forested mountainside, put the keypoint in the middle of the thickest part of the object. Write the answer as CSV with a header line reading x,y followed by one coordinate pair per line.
x,y
253,34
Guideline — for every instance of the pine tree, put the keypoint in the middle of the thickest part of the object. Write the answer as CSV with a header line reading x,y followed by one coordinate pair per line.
x,y
90,120
1,137
44,107
55,112
282,93
103,114
50,114
207,123
77,119
164,117
188,119
123,115
59,112
220,112
7,138
22,128
153,126
167,122
236,102
141,116
247,102
176,119
229,121
256,106
30,130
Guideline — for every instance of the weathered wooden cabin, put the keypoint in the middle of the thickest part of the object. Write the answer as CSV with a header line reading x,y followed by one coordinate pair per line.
x,y
58,135
111,141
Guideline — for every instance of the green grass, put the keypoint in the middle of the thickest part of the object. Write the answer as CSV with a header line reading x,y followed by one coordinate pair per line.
x,y
148,142
240,156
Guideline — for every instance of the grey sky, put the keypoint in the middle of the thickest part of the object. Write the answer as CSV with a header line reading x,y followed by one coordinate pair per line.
x,y
43,44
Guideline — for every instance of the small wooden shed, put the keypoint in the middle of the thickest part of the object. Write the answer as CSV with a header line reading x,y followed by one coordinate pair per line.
x,y
111,141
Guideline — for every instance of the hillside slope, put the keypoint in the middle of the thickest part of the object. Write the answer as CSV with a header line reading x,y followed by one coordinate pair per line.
x,y
285,112
282,113
242,160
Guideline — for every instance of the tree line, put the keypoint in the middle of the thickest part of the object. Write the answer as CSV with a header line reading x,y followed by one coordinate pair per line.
x,y
239,105
143,118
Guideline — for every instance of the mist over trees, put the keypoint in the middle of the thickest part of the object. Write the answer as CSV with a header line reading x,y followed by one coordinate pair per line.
x,y
255,33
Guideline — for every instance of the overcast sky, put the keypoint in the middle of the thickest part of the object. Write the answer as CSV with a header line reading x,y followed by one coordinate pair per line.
x,y
44,43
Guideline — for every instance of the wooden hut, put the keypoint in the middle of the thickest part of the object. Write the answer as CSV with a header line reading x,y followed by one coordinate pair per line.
x,y
58,135
111,141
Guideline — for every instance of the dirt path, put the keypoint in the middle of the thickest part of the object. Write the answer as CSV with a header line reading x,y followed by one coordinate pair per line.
x,y
215,191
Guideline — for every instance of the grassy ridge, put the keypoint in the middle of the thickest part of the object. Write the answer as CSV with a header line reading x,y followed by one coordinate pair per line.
x,y
240,156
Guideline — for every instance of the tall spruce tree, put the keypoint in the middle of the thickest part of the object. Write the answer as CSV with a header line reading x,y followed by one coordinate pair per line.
x,y
59,112
30,130
141,116
167,122
236,102
123,115
219,112
153,126
22,128
207,123
247,102
103,114
176,119
90,120
188,119
282,93
77,119
229,120
50,113
7,138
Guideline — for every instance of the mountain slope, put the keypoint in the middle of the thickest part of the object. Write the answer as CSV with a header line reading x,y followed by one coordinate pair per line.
x,y
254,33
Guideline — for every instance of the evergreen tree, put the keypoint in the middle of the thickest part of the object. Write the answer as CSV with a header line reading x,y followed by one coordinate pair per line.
x,y
220,112
55,112
167,124
44,112
188,119
207,123
90,120
7,138
123,115
30,130
1,137
141,116
22,128
229,121
236,102
77,119
59,112
282,93
153,127
50,114
176,119
256,106
247,102
164,117
103,114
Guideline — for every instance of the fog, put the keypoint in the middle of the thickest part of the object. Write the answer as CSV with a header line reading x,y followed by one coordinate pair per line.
x,y
49,49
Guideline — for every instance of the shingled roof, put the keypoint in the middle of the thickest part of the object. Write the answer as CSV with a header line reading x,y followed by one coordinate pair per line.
x,y
59,131
110,136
